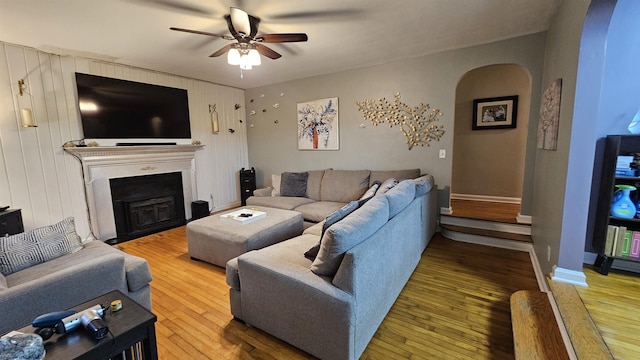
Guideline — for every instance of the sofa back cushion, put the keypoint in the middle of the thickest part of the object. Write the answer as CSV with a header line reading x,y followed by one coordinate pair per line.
x,y
344,185
424,184
378,175
20,251
349,232
313,184
400,196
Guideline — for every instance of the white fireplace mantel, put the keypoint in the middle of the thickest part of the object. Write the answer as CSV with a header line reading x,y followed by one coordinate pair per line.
x,y
100,164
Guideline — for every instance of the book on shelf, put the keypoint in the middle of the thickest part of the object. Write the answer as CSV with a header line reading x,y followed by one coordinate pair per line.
x,y
635,245
612,232
617,248
626,243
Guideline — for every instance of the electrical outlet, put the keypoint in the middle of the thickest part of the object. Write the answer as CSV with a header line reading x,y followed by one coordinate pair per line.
x,y
548,253
442,154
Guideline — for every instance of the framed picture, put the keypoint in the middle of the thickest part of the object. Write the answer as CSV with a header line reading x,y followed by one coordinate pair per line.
x,y
495,113
318,125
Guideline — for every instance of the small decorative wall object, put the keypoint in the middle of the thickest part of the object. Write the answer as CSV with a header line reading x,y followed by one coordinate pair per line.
x,y
253,112
416,123
275,121
281,94
318,125
231,131
276,105
215,124
237,106
549,116
495,113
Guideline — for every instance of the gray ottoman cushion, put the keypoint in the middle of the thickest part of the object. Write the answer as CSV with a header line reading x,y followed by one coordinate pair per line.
x,y
217,241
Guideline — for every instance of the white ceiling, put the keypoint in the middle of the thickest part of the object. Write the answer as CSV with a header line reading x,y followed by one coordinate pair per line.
x,y
343,34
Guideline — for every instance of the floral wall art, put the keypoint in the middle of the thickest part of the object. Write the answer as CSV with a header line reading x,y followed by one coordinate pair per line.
x,y
318,125
549,117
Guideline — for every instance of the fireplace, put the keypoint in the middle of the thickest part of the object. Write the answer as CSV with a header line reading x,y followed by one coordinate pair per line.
x,y
146,204
169,206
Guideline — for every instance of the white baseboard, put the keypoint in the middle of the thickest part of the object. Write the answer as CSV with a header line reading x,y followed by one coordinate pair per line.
x,y
505,244
446,211
573,277
523,219
502,199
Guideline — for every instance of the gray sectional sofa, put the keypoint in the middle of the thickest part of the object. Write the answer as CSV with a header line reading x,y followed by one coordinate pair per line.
x,y
330,306
325,191
91,270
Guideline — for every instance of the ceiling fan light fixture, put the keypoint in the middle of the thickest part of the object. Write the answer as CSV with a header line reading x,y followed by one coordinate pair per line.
x,y
245,61
254,57
233,56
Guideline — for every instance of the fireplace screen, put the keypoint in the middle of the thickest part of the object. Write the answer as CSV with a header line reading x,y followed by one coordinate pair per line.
x,y
143,205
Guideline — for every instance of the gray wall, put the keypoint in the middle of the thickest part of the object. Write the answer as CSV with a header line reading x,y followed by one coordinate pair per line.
x,y
618,84
430,79
490,163
563,178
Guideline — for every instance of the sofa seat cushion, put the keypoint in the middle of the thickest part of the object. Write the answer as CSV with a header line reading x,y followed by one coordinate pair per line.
x,y
278,202
287,253
381,176
349,232
319,210
315,229
344,185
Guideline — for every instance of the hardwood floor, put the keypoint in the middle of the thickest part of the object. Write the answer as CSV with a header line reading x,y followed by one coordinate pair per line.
x,y
455,306
613,301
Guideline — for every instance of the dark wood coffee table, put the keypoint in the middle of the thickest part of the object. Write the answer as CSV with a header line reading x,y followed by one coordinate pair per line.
x,y
132,325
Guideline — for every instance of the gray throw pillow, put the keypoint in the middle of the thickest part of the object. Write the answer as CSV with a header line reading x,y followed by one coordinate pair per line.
x,y
294,184
331,219
20,251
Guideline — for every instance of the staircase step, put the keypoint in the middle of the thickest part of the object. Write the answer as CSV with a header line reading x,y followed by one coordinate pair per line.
x,y
522,229
490,233
535,332
585,337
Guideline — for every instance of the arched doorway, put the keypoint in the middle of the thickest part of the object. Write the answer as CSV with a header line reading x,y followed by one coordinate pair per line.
x,y
488,164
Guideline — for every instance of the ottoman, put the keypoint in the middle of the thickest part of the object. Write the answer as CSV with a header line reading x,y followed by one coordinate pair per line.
x,y
216,241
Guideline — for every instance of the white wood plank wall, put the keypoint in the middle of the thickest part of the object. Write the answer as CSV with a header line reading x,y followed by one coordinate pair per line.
x,y
37,176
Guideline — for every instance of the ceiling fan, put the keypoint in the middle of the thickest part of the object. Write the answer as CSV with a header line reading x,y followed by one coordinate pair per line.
x,y
248,47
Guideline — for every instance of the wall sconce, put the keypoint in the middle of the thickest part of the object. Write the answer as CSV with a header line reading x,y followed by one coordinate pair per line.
x,y
215,125
25,112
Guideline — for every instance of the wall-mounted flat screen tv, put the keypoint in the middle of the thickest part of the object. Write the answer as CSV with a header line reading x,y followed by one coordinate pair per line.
x,y
120,109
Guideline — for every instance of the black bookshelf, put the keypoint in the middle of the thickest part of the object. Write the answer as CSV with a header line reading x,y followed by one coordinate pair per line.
x,y
615,145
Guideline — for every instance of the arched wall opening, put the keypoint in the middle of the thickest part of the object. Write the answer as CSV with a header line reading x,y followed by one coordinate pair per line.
x,y
489,164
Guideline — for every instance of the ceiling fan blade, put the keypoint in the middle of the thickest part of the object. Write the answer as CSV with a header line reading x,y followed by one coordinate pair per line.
x,y
202,33
240,21
263,50
254,21
279,38
221,51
